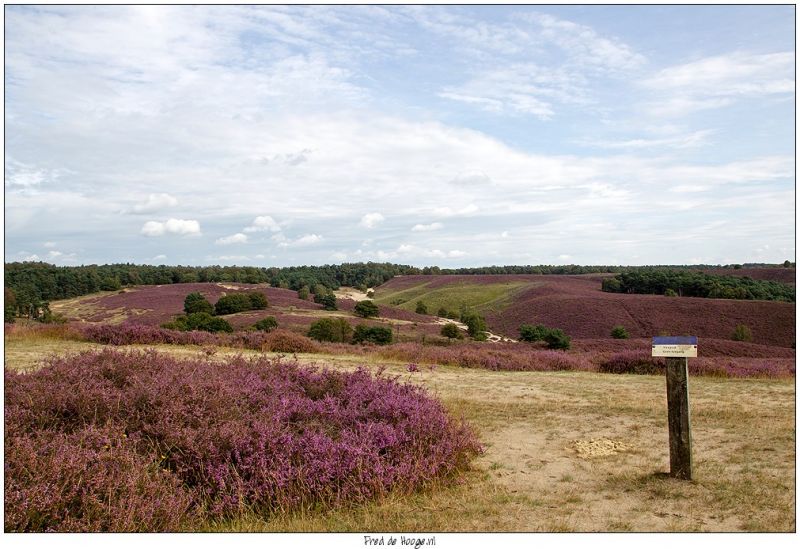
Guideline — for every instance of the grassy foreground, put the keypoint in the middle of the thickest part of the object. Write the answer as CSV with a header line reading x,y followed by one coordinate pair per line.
x,y
568,451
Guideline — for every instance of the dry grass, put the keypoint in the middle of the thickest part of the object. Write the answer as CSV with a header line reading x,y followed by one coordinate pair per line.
x,y
539,472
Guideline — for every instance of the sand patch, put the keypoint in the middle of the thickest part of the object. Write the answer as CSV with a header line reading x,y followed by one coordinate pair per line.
x,y
598,447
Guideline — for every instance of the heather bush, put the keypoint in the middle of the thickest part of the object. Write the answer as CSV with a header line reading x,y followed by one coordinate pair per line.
x,y
366,309
379,335
266,324
283,341
633,362
111,441
336,330
421,309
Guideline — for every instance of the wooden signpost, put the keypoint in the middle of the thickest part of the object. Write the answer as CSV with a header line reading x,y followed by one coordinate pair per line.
x,y
678,350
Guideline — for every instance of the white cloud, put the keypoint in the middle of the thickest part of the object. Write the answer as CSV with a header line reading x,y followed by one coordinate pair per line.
x,y
159,257
306,240
471,178
238,238
371,220
338,256
446,211
49,244
426,228
718,81
456,253
685,141
186,227
505,234
263,223
155,202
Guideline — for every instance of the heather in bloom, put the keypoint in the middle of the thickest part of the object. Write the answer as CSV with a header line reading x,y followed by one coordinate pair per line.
x,y
140,441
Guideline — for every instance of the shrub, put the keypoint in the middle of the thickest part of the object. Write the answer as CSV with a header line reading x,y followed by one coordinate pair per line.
x,y
195,302
336,330
111,441
258,301
619,332
199,321
370,294
327,300
742,333
366,309
452,331
266,324
532,334
303,292
557,339
236,303
442,312
669,292
421,309
475,323
380,335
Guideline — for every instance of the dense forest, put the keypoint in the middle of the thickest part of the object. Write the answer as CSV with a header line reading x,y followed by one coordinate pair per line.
x,y
30,286
672,282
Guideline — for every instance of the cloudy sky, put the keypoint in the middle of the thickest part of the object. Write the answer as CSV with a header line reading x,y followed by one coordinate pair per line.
x,y
451,136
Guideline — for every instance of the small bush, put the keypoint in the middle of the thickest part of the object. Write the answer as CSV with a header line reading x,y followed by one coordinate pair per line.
x,y
532,334
199,321
195,302
370,294
475,324
557,339
619,332
366,309
266,324
742,333
335,330
452,331
421,309
327,300
303,293
669,292
236,303
442,312
380,335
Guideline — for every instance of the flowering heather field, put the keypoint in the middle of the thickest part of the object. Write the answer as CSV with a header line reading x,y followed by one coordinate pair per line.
x,y
717,357
155,305
113,441
775,274
577,305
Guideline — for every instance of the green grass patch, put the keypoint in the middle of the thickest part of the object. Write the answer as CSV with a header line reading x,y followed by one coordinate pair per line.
x,y
482,298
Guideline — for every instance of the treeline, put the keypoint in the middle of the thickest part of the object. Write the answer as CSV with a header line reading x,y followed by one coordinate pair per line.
x,y
695,284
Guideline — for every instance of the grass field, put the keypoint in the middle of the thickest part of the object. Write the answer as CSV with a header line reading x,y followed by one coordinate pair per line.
x,y
567,451
481,297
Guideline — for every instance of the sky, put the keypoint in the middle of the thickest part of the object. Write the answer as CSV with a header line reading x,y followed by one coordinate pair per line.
x,y
422,135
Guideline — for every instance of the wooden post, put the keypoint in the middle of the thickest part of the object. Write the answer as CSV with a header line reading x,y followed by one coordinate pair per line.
x,y
680,435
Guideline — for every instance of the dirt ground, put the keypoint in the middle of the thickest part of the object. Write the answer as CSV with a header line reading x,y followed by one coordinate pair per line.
x,y
575,451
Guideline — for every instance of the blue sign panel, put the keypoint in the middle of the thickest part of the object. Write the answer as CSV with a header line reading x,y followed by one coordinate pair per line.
x,y
675,340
